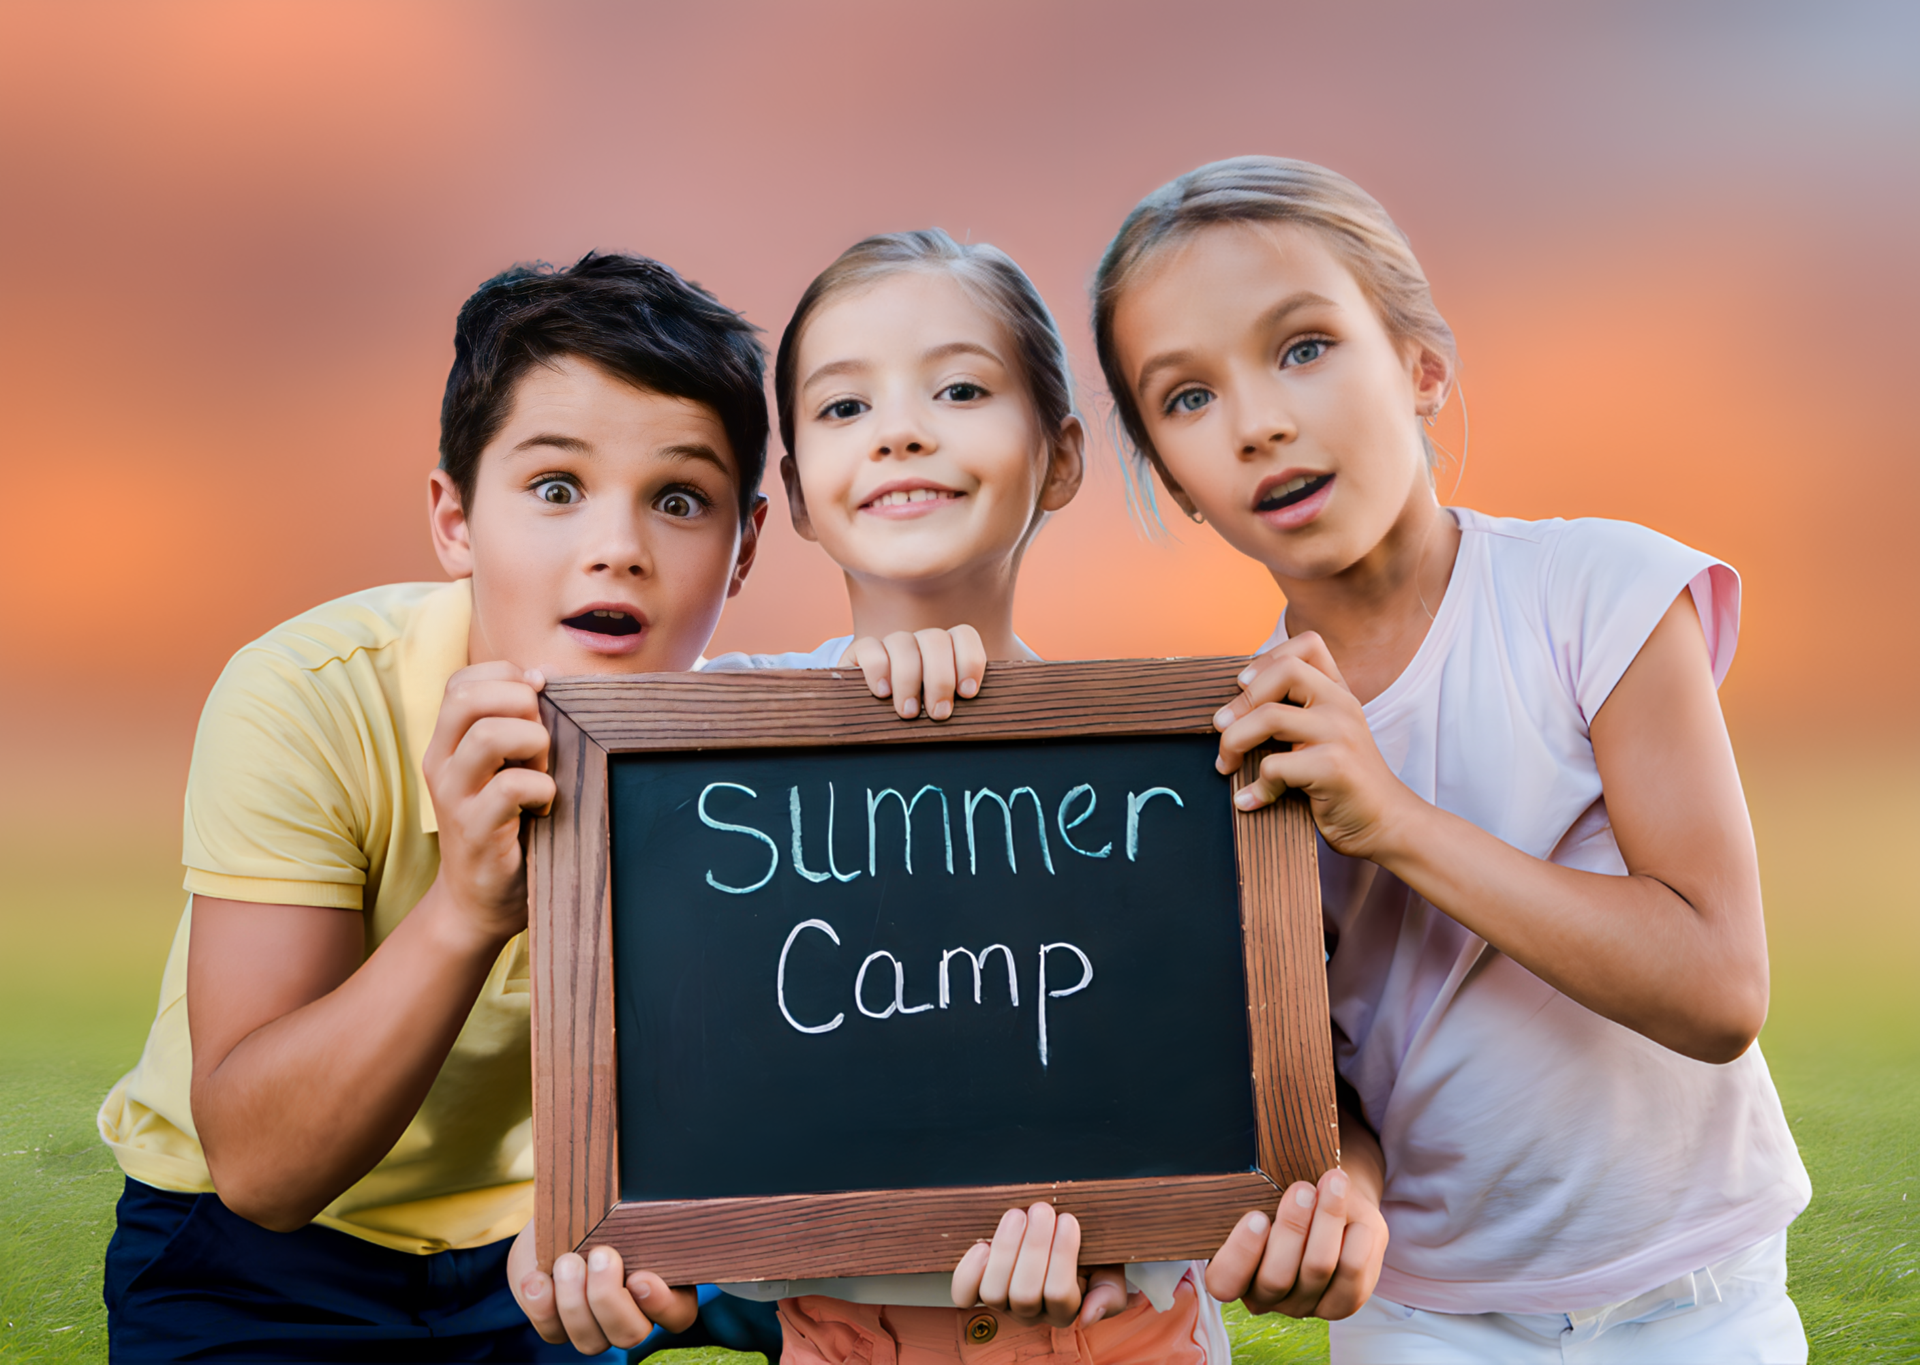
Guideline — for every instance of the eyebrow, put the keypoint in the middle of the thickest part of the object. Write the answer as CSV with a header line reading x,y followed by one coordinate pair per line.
x,y
942,352
706,454
575,446
571,444
1273,317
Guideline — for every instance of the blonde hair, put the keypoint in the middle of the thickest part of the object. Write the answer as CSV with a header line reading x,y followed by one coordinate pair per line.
x,y
1265,189
987,273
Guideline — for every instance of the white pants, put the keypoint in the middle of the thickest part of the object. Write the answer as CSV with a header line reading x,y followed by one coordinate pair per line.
x,y
1734,1311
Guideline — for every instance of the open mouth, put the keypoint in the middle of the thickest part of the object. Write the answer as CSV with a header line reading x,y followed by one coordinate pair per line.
x,y
604,623
1292,491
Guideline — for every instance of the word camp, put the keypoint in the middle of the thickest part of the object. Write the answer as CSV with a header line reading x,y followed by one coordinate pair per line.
x,y
1072,812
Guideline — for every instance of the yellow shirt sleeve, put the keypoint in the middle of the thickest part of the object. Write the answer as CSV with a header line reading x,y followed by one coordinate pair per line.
x,y
277,806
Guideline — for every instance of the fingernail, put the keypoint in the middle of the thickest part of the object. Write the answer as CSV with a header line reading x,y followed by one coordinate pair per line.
x,y
567,1268
1258,1224
1304,1199
1338,1185
883,689
535,677
597,1259
1246,799
942,709
910,707
969,687
1223,718
1246,676
531,1288
642,1290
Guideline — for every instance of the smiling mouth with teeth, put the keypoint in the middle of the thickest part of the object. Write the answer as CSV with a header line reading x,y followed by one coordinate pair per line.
x,y
604,623
1292,491
902,496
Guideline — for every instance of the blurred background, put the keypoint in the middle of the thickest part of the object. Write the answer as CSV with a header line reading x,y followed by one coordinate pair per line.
x,y
1677,244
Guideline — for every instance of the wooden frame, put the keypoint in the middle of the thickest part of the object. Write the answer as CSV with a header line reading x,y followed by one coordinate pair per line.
x,y
575,1114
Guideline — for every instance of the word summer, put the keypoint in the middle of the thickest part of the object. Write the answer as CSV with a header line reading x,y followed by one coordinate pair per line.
x,y
1074,810
896,1005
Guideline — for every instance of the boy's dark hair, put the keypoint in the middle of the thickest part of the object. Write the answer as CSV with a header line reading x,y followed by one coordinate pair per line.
x,y
633,317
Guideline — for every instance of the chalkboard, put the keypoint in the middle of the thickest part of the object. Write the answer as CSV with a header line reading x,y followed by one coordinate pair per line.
x,y
820,991
750,1063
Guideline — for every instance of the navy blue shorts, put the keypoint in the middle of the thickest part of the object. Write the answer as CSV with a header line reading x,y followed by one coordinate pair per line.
x,y
187,1279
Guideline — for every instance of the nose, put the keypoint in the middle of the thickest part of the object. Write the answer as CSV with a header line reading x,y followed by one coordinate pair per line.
x,y
616,544
1263,417
904,432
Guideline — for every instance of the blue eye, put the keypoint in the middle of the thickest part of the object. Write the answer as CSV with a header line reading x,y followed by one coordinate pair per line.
x,y
1303,353
845,409
1189,400
963,392
556,492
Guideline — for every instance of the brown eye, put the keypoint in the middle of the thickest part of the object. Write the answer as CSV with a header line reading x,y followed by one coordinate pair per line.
x,y
557,492
679,505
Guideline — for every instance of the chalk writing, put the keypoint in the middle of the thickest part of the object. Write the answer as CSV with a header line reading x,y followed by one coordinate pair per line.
x,y
711,823
898,1006
1075,809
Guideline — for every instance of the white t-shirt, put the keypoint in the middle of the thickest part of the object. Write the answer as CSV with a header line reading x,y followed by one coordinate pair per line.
x,y
824,656
1156,1279
1539,1157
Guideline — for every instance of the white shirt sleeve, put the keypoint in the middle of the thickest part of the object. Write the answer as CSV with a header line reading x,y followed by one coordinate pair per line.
x,y
1608,585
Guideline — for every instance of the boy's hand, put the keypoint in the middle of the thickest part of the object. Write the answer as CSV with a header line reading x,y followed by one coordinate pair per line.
x,y
939,663
1319,1257
1030,1270
487,763
591,1302
1294,694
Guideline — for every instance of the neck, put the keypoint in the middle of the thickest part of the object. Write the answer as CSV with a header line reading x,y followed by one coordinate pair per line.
x,y
982,599
1374,614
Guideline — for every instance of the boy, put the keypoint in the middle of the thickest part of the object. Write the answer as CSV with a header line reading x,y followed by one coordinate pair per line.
x,y
341,1049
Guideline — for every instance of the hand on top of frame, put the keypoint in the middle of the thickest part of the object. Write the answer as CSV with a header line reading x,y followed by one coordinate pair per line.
x,y
1318,1257
907,666
1030,1271
591,1301
1294,694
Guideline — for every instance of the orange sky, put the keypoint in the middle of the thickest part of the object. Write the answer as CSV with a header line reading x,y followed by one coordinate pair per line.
x,y
1678,252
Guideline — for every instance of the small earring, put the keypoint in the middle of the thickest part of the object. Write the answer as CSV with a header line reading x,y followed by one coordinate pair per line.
x,y
1196,518
1432,417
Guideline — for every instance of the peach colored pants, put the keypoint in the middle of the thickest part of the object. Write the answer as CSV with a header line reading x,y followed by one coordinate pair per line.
x,y
821,1331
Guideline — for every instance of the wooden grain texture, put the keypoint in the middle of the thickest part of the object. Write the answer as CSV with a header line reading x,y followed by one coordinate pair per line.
x,y
570,921
908,1231
772,709
1295,1107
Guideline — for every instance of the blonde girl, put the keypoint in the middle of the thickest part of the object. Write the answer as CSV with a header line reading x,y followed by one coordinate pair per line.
x,y
1548,963
926,405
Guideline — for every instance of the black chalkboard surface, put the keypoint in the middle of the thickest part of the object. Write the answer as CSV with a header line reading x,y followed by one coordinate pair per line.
x,y
1052,990
818,991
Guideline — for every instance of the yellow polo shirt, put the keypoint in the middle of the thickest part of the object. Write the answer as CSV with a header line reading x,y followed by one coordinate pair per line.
x,y
307,789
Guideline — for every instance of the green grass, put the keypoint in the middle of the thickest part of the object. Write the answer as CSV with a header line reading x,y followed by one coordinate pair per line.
x,y
1843,1042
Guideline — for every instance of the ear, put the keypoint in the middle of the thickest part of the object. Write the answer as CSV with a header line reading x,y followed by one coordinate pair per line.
x,y
447,519
749,543
796,499
1066,465
1432,377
